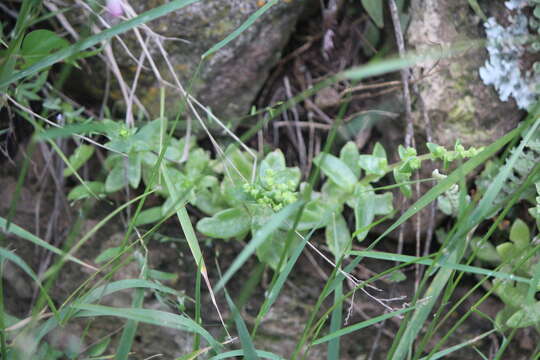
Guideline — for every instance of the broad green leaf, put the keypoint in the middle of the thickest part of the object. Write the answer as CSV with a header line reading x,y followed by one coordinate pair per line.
x,y
485,251
379,152
108,254
99,348
529,315
259,237
375,10
226,224
275,160
349,155
134,170
364,210
403,177
197,162
65,53
116,179
336,170
149,216
512,294
80,192
238,164
79,158
373,165
520,234
38,44
233,192
334,195
209,201
162,275
316,215
270,251
338,236
384,203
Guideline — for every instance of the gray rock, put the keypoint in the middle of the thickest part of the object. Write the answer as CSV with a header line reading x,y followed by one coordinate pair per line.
x,y
228,80
458,104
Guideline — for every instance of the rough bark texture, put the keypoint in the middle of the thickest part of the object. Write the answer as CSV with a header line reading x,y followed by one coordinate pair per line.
x,y
458,104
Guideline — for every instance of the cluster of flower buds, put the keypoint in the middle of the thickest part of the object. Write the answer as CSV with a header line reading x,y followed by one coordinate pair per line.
x,y
272,194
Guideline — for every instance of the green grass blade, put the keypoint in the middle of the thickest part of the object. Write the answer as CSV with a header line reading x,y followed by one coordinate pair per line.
x,y
130,330
280,281
149,316
429,262
20,232
443,353
237,353
96,39
251,19
107,289
335,323
91,232
361,325
245,338
9,255
485,205
69,130
457,242
258,238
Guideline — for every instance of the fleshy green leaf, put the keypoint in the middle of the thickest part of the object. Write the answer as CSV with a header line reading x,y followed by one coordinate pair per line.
x,y
116,179
225,224
99,348
315,216
384,203
39,44
134,170
338,236
349,155
78,158
149,216
336,170
270,251
239,164
364,210
108,254
80,192
529,315
520,234
485,251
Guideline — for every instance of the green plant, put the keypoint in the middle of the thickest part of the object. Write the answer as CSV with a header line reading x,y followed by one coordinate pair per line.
x,y
521,257
241,193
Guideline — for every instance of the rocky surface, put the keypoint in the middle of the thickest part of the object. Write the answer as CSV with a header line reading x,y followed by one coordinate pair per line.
x,y
228,80
458,104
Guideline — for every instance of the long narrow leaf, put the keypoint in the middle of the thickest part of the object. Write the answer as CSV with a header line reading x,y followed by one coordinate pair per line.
x,y
20,232
251,19
149,316
361,325
96,39
465,268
